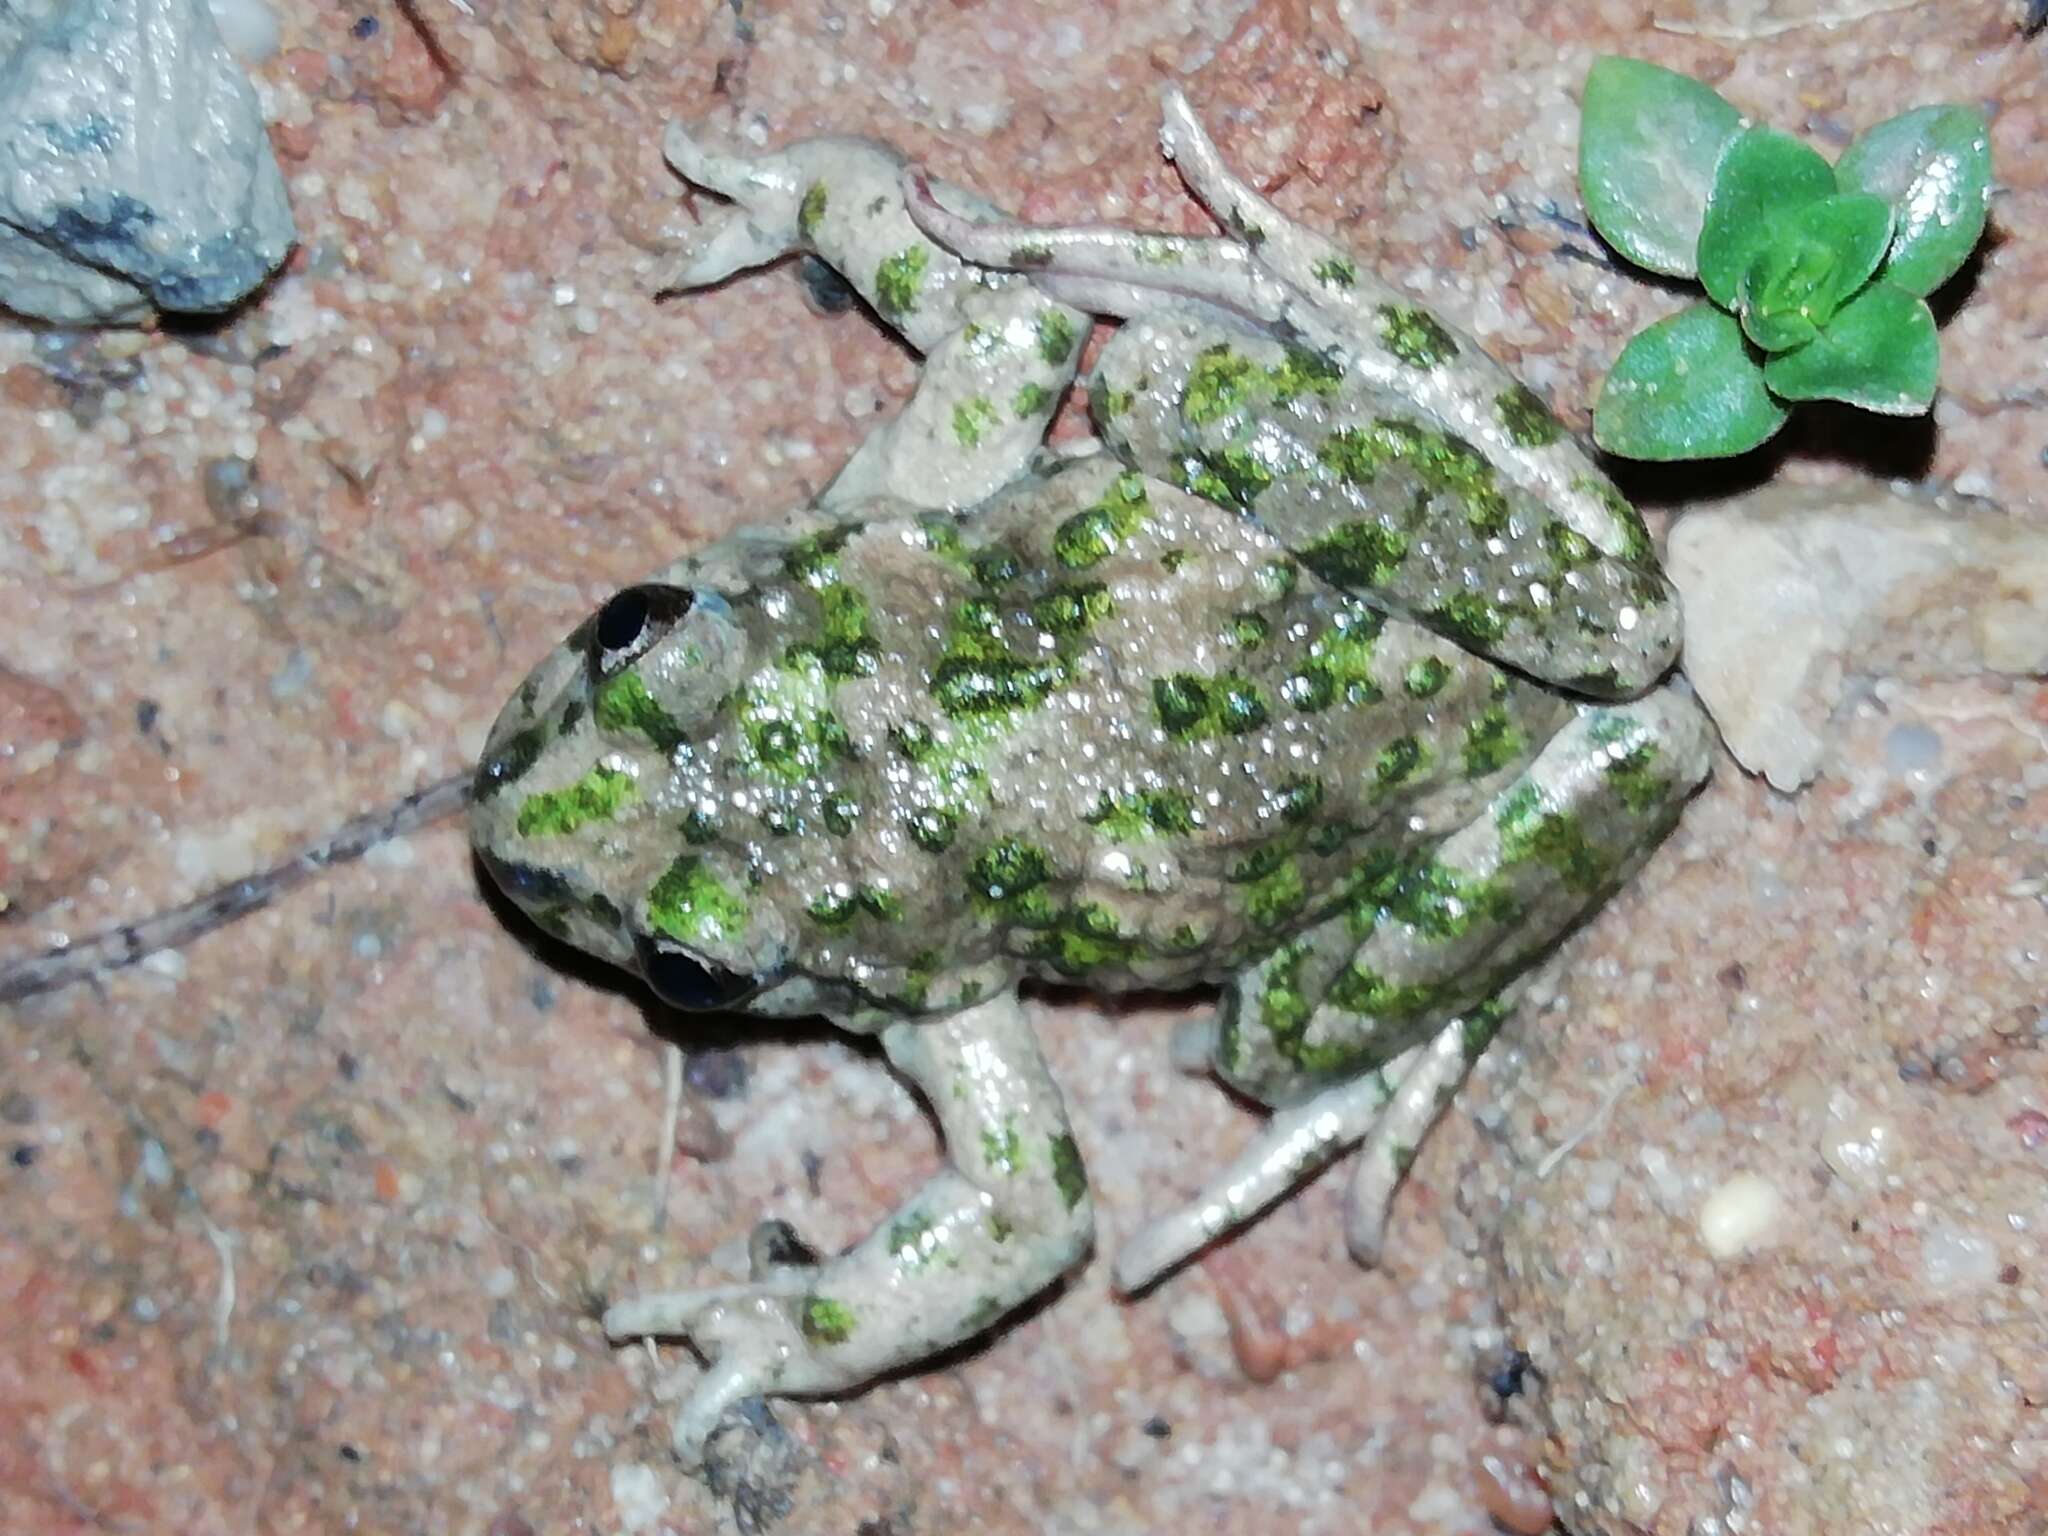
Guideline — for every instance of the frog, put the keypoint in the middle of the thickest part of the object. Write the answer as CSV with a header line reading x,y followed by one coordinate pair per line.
x,y
1330,674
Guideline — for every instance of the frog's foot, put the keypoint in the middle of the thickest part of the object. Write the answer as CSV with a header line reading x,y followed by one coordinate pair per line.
x,y
1292,1147
763,223
1006,1219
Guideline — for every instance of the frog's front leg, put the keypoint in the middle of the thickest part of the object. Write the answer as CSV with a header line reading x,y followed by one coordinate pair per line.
x,y
999,355
1008,1216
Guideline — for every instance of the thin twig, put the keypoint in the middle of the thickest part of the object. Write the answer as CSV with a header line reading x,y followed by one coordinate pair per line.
x,y
672,1110
117,948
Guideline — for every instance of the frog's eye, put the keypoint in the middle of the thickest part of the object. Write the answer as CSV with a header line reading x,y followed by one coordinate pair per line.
x,y
634,619
682,981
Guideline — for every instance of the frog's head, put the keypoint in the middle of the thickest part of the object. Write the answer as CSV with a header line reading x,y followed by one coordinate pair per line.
x,y
584,810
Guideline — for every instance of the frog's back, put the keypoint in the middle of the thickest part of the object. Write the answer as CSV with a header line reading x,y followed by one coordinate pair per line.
x,y
1101,730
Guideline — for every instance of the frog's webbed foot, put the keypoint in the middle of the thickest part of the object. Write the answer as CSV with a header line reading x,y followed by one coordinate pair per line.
x,y
762,224
1008,1216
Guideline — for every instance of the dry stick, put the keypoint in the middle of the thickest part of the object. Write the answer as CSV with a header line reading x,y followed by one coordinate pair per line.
x,y
116,948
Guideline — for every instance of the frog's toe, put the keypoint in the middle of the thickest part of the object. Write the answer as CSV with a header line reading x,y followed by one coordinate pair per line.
x,y
684,1314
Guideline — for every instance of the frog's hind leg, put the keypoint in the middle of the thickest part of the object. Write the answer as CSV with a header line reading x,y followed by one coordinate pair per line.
x,y
1363,1027
999,355
1296,1143
1107,270
1007,1217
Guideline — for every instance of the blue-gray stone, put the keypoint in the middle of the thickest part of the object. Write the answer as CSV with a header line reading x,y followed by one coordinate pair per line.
x,y
135,173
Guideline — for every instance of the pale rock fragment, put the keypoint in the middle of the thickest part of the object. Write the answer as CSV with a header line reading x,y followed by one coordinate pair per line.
x,y
1792,590
135,172
1744,20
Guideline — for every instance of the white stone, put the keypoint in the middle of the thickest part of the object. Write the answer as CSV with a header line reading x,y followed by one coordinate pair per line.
x,y
1739,1215
135,172
1792,590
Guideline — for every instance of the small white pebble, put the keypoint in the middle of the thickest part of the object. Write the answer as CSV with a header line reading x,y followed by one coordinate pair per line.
x,y
638,1496
1739,1215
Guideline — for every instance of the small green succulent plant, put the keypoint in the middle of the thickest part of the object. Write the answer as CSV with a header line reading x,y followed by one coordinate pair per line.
x,y
1817,274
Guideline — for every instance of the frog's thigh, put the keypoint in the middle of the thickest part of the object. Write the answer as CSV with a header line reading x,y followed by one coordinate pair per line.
x,y
1008,1216
1454,928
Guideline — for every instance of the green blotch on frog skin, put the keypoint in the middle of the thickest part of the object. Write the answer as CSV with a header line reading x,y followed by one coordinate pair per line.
x,y
1636,545
1106,403
1224,380
1249,631
1339,664
1230,477
1357,554
700,827
1361,990
1193,708
826,1321
971,419
1425,678
1030,400
1083,939
1399,761
1415,336
623,705
811,211
1480,1026
1146,813
898,279
1469,619
1276,896
840,815
1554,838
693,906
1094,534
1073,610
1492,741
1003,1150
1634,781
598,796
1006,870
1446,464
979,676
1068,1177
1276,580
1055,337
1335,272
914,1239
932,828
789,733
1526,419
1566,546
1444,903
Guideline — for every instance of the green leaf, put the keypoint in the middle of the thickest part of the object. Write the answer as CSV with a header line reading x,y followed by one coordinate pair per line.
x,y
1777,330
1764,176
1819,255
1649,140
1880,353
1934,166
1686,388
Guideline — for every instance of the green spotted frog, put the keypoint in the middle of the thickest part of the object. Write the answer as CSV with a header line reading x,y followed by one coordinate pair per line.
x,y
1328,676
